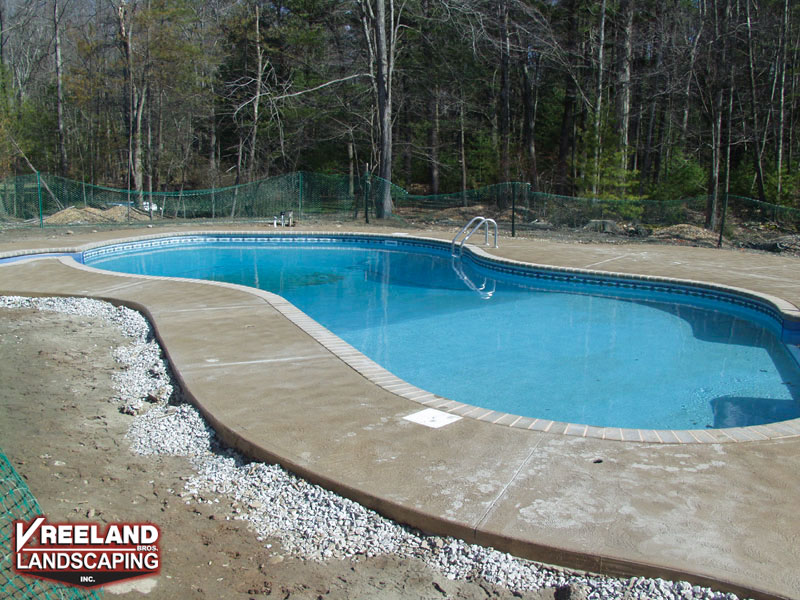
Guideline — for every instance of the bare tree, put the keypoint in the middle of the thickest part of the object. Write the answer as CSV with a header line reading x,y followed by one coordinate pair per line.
x,y
754,113
3,11
598,107
137,83
782,102
625,56
382,32
505,94
62,144
256,101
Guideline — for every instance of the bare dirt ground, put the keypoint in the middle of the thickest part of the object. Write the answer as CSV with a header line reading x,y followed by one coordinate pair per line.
x,y
66,438
748,236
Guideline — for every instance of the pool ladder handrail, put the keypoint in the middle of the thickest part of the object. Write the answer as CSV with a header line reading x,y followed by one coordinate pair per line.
x,y
480,221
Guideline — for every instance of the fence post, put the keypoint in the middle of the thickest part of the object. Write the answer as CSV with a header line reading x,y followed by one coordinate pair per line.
x,y
367,186
513,210
722,223
39,191
300,208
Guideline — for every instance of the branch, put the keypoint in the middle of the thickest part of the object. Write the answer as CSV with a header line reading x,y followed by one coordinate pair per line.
x,y
25,157
320,86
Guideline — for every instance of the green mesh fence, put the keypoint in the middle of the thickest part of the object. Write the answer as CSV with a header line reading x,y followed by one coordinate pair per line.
x,y
46,200
17,502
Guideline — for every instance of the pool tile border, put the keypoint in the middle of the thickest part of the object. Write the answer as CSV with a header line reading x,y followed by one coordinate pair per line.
x,y
772,306
781,313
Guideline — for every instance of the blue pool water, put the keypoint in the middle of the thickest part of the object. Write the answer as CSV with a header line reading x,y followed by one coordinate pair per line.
x,y
590,352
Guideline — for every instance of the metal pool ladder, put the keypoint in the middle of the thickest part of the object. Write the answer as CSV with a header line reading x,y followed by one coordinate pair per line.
x,y
466,230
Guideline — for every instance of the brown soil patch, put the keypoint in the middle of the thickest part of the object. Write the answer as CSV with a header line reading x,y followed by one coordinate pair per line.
x,y
89,215
687,233
66,439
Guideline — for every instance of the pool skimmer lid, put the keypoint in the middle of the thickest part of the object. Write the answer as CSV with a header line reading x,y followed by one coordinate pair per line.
x,y
430,417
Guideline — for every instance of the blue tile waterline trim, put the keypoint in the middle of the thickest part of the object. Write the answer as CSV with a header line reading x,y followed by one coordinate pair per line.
x,y
179,240
789,329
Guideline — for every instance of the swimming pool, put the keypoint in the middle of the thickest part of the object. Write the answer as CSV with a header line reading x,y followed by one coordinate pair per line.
x,y
550,344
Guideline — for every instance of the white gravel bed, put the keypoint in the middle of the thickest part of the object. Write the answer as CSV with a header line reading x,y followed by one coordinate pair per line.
x,y
312,523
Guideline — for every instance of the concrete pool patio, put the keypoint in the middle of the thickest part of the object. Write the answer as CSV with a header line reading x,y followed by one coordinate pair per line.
x,y
722,514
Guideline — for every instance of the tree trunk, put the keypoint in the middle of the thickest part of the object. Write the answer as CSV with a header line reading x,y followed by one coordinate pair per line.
x,y
351,173
598,107
782,101
462,151
530,100
434,140
138,170
136,98
383,62
687,93
2,46
239,152
212,158
647,159
793,92
212,142
150,164
623,106
256,98
716,148
727,155
62,143
718,57
159,152
566,137
662,142
505,100
757,163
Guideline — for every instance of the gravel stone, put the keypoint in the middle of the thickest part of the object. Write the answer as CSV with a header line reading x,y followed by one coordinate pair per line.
x,y
312,523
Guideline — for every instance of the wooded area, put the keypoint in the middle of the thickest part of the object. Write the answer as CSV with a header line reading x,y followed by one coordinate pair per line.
x,y
610,98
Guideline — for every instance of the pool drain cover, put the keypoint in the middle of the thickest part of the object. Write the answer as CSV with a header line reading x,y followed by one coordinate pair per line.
x,y
430,417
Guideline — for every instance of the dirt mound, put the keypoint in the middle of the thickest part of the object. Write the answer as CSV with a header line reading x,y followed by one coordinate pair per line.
x,y
89,215
75,215
120,214
687,233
